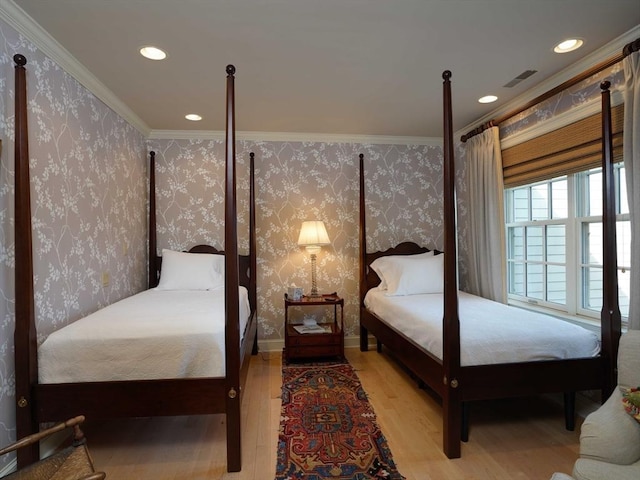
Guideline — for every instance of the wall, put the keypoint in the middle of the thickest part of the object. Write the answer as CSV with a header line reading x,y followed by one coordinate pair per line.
x,y
88,195
297,181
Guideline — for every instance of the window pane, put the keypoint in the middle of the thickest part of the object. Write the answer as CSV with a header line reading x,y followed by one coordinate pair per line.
x,y
594,195
622,185
540,202
535,283
559,199
623,242
556,284
624,289
521,204
556,243
592,243
516,278
592,279
534,243
516,243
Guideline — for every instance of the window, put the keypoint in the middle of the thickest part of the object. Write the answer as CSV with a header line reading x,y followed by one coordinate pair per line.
x,y
554,242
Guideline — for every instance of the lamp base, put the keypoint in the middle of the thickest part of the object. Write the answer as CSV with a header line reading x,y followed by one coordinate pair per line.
x,y
314,285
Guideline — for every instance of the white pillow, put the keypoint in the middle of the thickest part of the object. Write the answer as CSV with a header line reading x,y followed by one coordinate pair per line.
x,y
191,271
383,264
412,276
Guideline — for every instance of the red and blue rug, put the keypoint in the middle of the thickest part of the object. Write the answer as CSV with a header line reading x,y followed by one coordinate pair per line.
x,y
328,429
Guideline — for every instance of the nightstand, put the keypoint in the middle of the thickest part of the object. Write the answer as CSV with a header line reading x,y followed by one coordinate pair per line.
x,y
328,343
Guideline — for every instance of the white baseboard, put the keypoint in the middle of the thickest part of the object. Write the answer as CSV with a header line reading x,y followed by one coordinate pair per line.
x,y
47,447
9,468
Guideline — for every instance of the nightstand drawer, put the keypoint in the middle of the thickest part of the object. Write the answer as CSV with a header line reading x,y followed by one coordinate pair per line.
x,y
310,339
314,351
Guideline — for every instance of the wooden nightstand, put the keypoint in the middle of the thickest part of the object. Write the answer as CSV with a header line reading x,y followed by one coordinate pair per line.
x,y
330,343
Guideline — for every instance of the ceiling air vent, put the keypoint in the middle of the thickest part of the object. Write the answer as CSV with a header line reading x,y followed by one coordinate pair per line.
x,y
523,76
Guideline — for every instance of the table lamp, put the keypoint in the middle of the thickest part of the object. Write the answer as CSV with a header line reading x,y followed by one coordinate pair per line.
x,y
313,235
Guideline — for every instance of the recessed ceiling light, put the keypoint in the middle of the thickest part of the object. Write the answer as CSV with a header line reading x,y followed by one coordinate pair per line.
x,y
568,45
488,99
194,117
153,53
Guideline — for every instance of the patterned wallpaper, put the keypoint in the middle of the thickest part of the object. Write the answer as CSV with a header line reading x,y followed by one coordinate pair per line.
x,y
297,181
584,92
89,196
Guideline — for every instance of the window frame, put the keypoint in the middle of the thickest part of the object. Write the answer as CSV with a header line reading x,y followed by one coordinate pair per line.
x,y
575,244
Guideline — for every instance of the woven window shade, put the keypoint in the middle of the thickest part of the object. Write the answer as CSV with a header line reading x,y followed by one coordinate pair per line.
x,y
573,148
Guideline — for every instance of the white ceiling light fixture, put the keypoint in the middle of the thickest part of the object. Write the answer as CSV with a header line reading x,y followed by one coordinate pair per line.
x,y
152,53
194,117
568,45
487,99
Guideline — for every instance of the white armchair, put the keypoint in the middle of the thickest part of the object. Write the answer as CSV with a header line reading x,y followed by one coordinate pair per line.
x,y
610,437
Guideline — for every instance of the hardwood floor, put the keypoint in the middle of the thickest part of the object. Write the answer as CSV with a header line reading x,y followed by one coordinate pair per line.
x,y
515,439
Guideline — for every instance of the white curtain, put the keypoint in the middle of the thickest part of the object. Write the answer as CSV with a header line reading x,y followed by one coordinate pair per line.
x,y
631,149
487,255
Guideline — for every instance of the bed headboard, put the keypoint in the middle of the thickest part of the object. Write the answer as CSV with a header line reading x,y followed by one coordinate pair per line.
x,y
404,248
243,260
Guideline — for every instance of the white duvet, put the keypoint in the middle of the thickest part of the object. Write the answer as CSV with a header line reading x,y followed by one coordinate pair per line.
x,y
490,332
151,335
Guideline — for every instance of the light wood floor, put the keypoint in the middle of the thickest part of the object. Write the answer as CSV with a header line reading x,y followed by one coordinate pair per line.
x,y
516,439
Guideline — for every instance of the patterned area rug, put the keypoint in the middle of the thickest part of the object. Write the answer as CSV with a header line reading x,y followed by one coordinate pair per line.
x,y
328,429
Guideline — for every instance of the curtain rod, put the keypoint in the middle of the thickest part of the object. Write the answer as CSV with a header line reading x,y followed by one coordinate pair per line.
x,y
627,50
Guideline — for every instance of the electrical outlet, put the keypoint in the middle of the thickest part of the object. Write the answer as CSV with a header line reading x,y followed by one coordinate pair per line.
x,y
105,279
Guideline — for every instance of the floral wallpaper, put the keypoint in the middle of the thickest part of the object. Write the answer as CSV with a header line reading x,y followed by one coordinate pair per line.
x,y
89,201
88,198
297,181
583,92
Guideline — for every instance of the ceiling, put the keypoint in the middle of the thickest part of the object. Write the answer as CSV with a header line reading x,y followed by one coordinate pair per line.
x,y
353,67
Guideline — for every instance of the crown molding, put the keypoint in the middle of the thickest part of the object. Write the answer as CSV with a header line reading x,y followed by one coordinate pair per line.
x,y
585,110
602,54
294,137
49,46
24,24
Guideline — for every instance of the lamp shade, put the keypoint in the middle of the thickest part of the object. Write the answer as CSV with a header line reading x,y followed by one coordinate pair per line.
x,y
313,233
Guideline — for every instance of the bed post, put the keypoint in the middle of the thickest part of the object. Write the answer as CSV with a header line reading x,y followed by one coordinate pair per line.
x,y
232,330
25,344
610,314
364,335
451,400
153,251
253,262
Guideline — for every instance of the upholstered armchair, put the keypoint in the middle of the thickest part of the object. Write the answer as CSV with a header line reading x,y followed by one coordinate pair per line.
x,y
610,437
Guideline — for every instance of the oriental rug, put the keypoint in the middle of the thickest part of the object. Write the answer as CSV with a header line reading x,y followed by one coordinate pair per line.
x,y
328,428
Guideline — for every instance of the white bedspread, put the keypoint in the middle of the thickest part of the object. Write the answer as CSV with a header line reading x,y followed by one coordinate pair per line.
x,y
490,332
151,335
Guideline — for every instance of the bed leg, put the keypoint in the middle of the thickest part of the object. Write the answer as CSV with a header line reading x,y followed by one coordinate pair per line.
x,y
378,346
465,422
570,411
452,425
234,458
364,339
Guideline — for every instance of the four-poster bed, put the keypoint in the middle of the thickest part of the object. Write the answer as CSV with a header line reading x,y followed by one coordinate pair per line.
x,y
457,382
189,395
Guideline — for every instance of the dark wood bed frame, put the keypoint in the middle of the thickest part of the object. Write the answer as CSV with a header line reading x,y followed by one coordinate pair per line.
x,y
457,385
38,403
